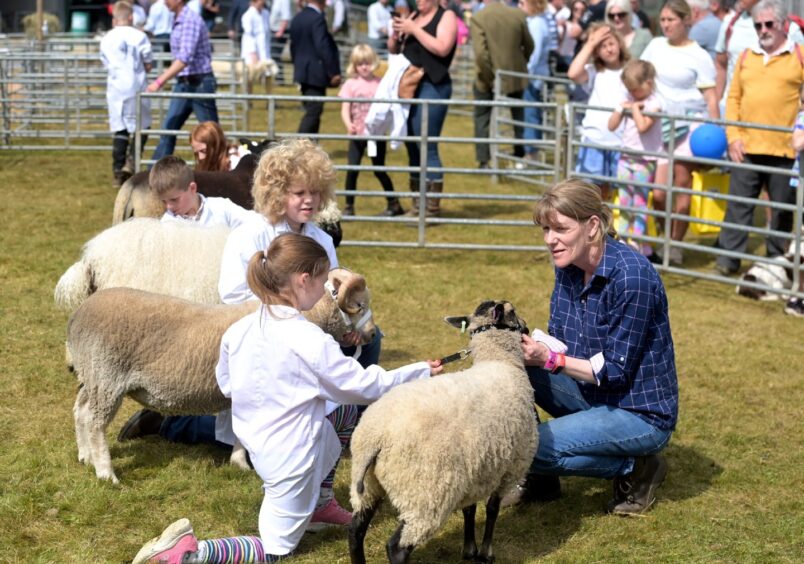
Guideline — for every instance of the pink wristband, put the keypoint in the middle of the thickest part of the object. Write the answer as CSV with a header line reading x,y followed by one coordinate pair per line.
x,y
551,361
158,82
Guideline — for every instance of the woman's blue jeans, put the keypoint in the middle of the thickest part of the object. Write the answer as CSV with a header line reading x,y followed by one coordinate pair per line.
x,y
598,441
533,116
435,122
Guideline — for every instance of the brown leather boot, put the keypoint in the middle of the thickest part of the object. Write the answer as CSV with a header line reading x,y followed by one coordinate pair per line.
x,y
434,204
414,201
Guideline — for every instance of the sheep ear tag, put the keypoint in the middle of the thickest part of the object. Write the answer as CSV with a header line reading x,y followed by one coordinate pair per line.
x,y
458,321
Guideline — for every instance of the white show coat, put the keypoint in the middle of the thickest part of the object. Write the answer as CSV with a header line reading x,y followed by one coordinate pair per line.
x,y
160,19
389,118
280,372
256,38
214,211
124,53
254,235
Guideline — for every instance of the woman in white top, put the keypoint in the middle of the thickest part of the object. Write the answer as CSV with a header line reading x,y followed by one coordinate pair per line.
x,y
280,371
255,45
685,79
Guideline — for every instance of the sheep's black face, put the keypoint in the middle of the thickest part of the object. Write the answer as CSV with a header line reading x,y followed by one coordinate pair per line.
x,y
499,314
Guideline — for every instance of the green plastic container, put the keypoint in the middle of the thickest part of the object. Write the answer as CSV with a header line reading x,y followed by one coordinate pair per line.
x,y
79,22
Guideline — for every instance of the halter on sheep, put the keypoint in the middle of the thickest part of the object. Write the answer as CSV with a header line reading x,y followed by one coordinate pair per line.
x,y
475,455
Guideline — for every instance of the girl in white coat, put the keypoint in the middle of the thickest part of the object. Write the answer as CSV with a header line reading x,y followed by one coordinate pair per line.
x,y
280,371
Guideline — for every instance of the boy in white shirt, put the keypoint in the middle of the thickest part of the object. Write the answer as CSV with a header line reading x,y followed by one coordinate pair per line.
x,y
126,55
172,182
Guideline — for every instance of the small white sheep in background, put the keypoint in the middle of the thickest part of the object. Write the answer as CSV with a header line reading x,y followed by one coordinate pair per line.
x,y
437,445
162,352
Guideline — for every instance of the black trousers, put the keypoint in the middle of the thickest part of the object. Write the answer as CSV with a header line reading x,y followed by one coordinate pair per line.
x,y
482,117
311,120
356,149
123,149
748,183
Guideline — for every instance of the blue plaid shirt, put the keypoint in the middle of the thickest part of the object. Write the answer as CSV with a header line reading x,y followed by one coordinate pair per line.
x,y
619,321
189,43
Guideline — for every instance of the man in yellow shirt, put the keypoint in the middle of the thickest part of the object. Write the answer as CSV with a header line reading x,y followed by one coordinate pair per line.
x,y
764,89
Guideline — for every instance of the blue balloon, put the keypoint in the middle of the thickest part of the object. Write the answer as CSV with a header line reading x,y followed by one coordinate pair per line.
x,y
708,141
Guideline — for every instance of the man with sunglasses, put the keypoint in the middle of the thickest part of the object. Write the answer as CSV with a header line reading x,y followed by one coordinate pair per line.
x,y
765,90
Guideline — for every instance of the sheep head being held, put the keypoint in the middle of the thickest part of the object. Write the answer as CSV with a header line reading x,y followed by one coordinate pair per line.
x,y
345,307
492,315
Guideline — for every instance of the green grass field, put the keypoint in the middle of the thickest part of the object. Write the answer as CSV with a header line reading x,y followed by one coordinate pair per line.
x,y
733,494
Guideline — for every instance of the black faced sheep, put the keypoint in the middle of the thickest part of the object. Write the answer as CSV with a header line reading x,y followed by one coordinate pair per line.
x,y
437,445
162,352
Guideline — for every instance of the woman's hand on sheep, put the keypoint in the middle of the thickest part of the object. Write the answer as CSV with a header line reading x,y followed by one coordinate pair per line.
x,y
435,367
534,352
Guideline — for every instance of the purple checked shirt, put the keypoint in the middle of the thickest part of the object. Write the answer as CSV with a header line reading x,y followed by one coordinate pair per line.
x,y
189,43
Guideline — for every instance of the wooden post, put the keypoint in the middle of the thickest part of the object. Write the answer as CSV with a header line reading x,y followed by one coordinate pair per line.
x,y
40,19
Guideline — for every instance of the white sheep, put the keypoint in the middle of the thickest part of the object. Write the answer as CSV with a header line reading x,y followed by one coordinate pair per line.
x,y
172,258
444,443
162,352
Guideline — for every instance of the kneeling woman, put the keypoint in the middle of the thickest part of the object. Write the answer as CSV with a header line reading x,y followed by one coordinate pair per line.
x,y
612,391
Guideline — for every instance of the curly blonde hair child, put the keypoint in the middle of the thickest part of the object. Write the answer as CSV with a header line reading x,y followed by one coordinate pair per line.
x,y
288,163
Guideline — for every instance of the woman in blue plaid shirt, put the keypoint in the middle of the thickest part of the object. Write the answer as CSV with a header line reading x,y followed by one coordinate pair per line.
x,y
606,372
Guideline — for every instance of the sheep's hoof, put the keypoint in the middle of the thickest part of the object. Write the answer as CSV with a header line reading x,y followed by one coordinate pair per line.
x,y
107,476
240,459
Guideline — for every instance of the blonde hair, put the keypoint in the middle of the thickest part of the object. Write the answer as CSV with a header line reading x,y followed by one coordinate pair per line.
x,y
169,173
362,53
577,199
636,73
625,55
679,8
292,161
269,272
122,11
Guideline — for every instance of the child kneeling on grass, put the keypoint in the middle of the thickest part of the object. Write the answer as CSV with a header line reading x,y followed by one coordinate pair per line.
x,y
280,371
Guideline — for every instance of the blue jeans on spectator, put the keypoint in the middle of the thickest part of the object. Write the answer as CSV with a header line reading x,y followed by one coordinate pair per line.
x,y
533,116
435,122
598,441
180,109
193,429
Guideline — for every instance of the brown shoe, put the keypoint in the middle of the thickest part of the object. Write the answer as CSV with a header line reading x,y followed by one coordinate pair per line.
x,y
394,209
143,423
635,493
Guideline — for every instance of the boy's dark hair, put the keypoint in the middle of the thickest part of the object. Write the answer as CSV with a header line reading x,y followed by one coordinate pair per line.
x,y
169,173
637,72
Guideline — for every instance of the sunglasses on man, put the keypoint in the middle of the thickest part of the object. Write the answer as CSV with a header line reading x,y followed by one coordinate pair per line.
x,y
618,15
767,25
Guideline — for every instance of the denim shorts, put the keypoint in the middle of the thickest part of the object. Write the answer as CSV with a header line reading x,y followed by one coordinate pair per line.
x,y
597,161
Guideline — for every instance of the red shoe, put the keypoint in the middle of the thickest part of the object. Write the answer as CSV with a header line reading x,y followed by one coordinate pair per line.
x,y
171,546
330,515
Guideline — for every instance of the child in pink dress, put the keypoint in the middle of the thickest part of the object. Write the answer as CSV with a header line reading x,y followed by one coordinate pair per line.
x,y
640,133
363,84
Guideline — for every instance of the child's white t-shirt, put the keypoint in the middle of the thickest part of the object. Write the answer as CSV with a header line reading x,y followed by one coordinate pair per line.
x,y
124,53
214,211
607,90
681,73
280,373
